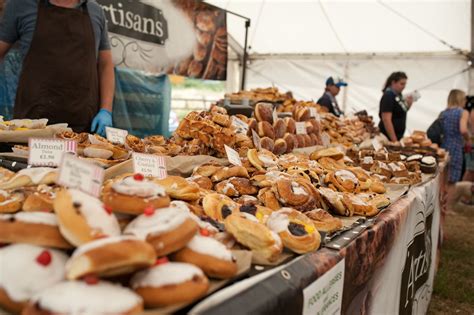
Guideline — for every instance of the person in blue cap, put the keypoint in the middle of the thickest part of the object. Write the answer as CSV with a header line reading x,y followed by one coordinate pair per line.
x,y
328,99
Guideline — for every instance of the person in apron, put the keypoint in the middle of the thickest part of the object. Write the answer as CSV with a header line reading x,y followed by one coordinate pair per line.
x,y
328,100
66,76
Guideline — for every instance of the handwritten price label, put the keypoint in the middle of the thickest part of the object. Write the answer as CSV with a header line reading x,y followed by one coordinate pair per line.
x,y
256,140
275,115
239,125
301,128
325,139
116,135
149,165
49,152
80,174
233,156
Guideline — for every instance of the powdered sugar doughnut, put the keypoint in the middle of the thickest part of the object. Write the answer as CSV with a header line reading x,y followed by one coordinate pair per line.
x,y
38,228
83,218
110,256
170,283
80,298
210,255
167,229
25,271
133,194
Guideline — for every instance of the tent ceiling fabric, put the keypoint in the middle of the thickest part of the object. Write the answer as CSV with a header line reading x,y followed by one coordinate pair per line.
x,y
363,26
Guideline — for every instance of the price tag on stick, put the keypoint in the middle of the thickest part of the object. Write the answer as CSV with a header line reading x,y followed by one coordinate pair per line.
x,y
239,125
80,174
233,156
49,152
149,165
325,139
275,115
116,135
256,140
301,128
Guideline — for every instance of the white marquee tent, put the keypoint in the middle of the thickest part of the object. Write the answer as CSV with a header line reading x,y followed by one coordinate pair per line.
x,y
296,45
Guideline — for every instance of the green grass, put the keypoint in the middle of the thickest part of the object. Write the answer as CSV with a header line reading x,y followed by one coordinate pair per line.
x,y
213,86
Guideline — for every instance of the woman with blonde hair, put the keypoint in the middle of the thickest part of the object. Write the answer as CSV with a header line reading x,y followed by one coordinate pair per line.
x,y
455,128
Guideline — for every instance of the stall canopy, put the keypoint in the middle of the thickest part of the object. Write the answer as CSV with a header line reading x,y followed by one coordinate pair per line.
x,y
296,45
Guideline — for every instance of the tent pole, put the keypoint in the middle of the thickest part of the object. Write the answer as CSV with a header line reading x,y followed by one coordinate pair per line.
x,y
244,59
346,78
471,53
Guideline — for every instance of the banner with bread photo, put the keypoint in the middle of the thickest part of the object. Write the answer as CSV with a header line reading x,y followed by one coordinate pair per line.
x,y
182,37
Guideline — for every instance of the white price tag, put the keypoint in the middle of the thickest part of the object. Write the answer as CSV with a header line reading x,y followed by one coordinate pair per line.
x,y
325,139
239,125
49,152
149,165
300,128
377,145
313,112
256,140
275,115
233,156
80,174
324,296
116,135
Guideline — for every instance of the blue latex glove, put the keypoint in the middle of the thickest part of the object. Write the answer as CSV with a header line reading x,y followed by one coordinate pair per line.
x,y
101,120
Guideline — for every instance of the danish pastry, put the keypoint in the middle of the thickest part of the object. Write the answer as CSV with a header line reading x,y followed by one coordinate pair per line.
x,y
236,186
358,206
228,172
268,198
332,152
323,221
218,206
166,229
210,255
398,169
202,181
27,270
37,228
207,169
83,218
134,143
265,244
263,159
291,192
132,194
110,256
31,177
332,200
179,188
10,202
41,199
170,283
296,230
343,180
95,297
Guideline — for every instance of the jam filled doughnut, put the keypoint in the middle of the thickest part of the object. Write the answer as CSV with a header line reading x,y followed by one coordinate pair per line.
x,y
170,283
41,199
10,202
166,229
30,177
179,188
218,206
38,228
133,193
296,230
110,256
77,297
248,231
25,271
83,218
210,255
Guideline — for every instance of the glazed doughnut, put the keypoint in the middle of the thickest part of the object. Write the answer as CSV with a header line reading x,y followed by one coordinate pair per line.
x,y
37,228
210,255
265,244
41,200
333,153
202,181
170,283
236,186
280,128
10,202
262,159
31,177
265,129
264,112
280,147
98,298
110,256
132,194
323,221
83,218
167,229
291,142
296,230
332,200
267,144
228,172
26,270
218,206
290,125
358,206
179,188
207,169
268,198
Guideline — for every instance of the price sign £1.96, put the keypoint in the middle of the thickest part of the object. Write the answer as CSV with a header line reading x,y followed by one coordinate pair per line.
x,y
48,152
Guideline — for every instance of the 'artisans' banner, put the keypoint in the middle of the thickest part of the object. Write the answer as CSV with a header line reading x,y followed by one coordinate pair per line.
x,y
183,37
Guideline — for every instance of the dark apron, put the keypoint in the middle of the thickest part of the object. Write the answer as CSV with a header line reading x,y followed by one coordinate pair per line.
x,y
59,79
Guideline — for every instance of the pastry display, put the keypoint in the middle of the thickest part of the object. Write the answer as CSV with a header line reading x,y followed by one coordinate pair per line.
x,y
25,271
23,124
11,202
41,199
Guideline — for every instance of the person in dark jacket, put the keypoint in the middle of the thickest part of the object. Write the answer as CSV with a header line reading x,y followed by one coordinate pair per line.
x,y
328,99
